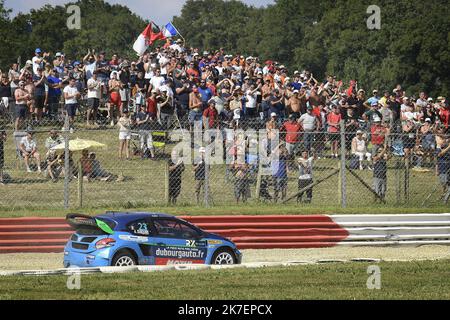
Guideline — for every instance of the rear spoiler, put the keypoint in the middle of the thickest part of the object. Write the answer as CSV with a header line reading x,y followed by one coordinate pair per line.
x,y
77,221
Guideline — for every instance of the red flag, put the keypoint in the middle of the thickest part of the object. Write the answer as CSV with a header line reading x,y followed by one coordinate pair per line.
x,y
156,34
143,41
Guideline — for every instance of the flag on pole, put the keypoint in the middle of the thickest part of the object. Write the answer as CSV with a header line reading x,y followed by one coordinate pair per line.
x,y
170,30
151,34
143,41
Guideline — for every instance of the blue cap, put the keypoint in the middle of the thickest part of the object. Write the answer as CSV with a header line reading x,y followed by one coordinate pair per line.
x,y
38,50
76,63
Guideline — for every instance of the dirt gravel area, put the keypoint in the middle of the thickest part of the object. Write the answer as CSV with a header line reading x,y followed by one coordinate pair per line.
x,y
41,261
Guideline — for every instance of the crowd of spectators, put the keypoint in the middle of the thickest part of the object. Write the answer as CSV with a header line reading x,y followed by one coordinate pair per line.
x,y
175,86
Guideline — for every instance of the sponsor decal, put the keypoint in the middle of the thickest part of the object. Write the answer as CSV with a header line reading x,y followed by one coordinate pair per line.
x,y
179,253
164,261
195,243
133,238
214,242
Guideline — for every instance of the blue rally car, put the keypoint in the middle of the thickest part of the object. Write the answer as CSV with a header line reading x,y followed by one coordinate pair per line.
x,y
127,239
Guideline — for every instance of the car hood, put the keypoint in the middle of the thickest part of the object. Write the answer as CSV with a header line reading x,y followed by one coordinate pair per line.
x,y
216,237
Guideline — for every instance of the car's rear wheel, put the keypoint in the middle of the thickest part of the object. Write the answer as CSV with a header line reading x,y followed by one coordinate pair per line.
x,y
223,256
124,259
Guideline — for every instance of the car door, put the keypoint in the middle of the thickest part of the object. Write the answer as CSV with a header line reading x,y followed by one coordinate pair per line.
x,y
176,242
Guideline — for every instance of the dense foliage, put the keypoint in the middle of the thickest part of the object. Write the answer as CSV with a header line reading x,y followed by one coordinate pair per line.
x,y
324,36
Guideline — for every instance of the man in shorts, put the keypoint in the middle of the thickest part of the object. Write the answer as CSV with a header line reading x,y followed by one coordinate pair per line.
x,y
71,96
94,94
22,97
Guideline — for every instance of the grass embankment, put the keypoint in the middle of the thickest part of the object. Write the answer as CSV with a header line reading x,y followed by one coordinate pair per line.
x,y
399,280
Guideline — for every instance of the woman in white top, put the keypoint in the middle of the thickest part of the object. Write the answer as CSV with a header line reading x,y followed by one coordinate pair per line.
x,y
359,148
124,134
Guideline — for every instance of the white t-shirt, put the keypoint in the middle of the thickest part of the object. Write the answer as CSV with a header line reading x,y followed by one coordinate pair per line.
x,y
29,145
162,62
308,122
71,91
96,92
251,100
36,64
157,82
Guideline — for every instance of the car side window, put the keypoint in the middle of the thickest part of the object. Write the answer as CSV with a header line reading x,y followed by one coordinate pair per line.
x,y
174,229
140,228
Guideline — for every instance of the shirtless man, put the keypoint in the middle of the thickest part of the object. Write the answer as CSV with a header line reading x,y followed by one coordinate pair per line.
x,y
294,104
23,97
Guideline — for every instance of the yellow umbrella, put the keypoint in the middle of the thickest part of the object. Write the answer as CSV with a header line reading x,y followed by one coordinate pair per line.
x,y
79,145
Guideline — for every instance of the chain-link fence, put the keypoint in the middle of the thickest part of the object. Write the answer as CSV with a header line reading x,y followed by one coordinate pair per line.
x,y
64,165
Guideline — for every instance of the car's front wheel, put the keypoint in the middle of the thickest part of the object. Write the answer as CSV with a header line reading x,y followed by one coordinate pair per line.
x,y
223,256
124,259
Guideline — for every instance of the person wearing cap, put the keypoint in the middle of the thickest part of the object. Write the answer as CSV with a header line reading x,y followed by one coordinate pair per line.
x,y
22,97
53,93
310,123
378,134
371,100
37,60
359,149
373,113
28,148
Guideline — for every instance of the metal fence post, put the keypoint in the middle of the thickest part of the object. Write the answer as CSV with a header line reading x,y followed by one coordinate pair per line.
x,y
207,160
67,174
80,185
166,183
343,181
